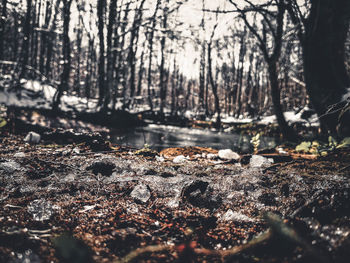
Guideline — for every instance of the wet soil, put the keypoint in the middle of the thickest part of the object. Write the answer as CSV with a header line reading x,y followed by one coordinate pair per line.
x,y
96,202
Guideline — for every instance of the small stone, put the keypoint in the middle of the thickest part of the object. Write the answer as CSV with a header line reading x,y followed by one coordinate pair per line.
x,y
76,150
159,159
212,156
42,209
9,167
228,154
141,193
32,137
198,193
235,216
260,161
19,155
104,167
180,159
174,203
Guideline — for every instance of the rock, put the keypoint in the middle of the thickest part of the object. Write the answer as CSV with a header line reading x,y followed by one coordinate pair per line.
x,y
105,167
235,216
76,150
180,159
42,209
19,155
32,137
212,156
257,161
141,193
9,167
228,154
173,203
160,158
199,194
268,199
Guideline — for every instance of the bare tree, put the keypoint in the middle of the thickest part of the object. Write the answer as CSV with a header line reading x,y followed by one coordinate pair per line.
x,y
2,27
211,79
271,58
64,84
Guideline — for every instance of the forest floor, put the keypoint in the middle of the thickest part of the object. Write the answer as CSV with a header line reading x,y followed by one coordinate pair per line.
x,y
86,200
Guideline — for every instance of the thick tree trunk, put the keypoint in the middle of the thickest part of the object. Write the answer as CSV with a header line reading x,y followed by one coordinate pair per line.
x,y
324,55
110,53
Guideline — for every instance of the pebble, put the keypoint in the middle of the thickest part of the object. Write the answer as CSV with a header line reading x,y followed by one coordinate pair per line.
x,y
212,156
42,209
180,159
32,137
160,159
257,161
19,155
235,216
141,193
9,166
228,154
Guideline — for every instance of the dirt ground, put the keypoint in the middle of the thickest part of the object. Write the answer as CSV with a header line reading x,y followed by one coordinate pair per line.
x,y
90,201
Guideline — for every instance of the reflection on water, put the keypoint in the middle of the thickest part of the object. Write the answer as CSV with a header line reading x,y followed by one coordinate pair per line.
x,y
162,136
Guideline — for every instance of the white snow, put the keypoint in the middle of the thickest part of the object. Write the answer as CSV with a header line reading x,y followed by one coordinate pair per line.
x,y
292,117
38,95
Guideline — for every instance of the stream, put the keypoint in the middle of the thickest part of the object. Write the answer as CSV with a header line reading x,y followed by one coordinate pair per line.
x,y
159,137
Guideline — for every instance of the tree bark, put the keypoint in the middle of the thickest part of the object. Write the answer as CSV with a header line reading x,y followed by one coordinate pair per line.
x,y
25,43
150,41
325,73
110,53
2,28
214,88
66,56
101,63
162,82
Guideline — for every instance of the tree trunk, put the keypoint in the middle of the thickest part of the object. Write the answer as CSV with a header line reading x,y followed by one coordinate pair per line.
x,y
101,63
110,53
162,84
287,132
150,41
25,44
214,88
324,55
66,56
133,51
2,28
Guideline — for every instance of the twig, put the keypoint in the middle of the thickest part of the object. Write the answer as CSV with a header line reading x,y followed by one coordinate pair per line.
x,y
223,253
149,249
237,249
343,169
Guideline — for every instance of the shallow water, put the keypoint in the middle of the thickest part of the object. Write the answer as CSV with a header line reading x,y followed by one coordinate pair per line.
x,y
159,137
